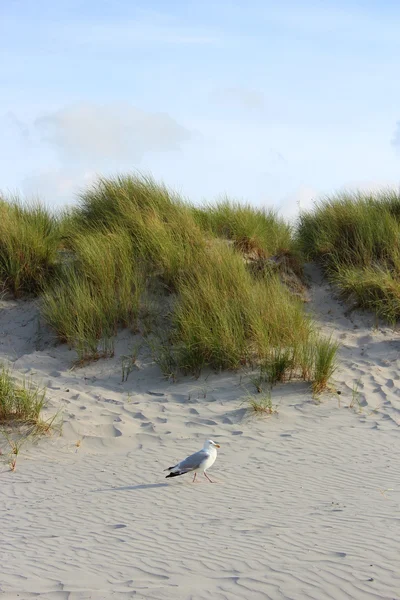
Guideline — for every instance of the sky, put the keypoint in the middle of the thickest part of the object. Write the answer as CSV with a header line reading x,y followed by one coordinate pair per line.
x,y
272,103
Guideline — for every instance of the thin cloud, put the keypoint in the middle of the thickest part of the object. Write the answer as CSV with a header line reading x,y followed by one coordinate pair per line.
x,y
92,134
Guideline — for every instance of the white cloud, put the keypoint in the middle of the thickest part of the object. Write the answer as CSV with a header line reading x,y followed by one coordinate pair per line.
x,y
93,134
75,144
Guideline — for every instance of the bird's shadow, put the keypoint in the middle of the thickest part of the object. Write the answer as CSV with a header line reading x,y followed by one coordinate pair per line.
x,y
141,486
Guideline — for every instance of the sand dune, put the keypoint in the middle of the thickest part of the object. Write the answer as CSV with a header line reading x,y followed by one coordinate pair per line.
x,y
305,504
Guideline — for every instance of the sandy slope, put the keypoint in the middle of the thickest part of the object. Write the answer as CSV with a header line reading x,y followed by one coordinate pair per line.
x,y
305,504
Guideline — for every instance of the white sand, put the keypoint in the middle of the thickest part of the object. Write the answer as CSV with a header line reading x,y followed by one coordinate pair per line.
x,y
305,504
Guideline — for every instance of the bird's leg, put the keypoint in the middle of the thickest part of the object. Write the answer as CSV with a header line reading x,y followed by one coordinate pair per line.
x,y
205,475
194,478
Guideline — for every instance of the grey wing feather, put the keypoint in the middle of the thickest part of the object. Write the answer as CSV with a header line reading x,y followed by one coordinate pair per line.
x,y
193,461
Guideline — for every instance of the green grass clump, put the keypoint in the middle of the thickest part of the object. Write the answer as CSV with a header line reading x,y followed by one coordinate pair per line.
x,y
375,288
29,240
352,229
225,319
261,404
212,311
96,293
356,238
160,224
122,228
251,229
19,403
213,288
325,363
279,364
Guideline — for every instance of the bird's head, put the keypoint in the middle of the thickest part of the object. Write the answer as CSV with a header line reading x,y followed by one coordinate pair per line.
x,y
211,444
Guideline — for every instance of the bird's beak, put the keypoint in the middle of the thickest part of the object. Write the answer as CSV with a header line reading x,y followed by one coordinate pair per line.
x,y
217,445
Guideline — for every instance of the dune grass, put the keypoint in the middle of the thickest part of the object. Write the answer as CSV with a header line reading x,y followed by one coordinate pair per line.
x,y
356,238
226,319
29,240
252,230
375,288
96,293
221,315
354,229
95,264
161,226
124,231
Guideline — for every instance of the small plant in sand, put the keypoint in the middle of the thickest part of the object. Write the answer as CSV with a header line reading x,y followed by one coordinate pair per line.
x,y
325,363
165,357
278,366
20,403
20,414
17,435
47,426
14,441
202,391
355,396
128,362
258,381
261,404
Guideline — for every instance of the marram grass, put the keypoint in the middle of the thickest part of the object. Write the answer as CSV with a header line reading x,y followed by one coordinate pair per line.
x,y
356,239
94,265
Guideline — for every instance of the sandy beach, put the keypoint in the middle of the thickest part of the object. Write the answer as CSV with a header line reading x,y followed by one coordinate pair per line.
x,y
305,503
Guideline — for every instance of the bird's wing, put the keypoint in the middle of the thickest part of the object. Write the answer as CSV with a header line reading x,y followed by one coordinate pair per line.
x,y
192,462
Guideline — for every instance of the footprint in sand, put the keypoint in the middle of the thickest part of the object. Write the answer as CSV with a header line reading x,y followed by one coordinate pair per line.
x,y
140,416
149,427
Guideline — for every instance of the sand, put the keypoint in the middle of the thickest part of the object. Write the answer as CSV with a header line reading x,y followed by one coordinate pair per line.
x,y
305,504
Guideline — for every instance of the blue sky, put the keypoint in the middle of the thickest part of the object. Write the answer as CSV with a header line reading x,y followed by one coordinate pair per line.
x,y
274,103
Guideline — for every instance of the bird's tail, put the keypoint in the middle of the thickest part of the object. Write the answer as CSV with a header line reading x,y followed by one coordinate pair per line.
x,y
170,468
174,473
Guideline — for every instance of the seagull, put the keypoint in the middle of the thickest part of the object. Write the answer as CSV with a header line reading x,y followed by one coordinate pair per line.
x,y
199,461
